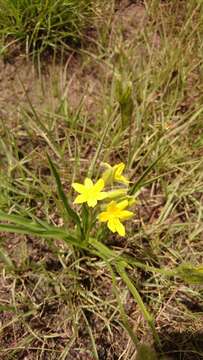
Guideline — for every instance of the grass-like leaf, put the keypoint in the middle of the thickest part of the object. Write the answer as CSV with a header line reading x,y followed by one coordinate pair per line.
x,y
138,184
44,24
71,213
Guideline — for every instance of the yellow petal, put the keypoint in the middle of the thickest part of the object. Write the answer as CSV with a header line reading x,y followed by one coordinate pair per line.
x,y
99,185
118,173
104,216
92,202
123,179
88,183
102,195
122,205
111,205
125,214
111,208
78,187
119,168
119,228
80,199
111,225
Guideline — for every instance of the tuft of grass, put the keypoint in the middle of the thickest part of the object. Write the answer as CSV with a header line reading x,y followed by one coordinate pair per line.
x,y
44,24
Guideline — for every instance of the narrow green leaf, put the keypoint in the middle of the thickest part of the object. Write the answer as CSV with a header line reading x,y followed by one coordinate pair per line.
x,y
85,219
105,252
139,182
45,233
127,260
190,273
121,270
16,219
127,326
120,264
71,213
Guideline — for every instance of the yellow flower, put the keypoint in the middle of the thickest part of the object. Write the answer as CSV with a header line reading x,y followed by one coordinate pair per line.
x,y
113,214
118,173
115,173
89,192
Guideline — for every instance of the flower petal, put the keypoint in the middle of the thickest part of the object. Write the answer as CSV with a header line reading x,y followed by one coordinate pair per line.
x,y
122,205
111,205
88,183
119,169
99,185
119,227
80,199
102,195
118,173
111,225
123,179
92,202
104,216
125,214
78,187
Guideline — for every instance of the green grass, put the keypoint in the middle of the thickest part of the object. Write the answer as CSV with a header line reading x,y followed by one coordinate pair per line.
x,y
59,301
41,25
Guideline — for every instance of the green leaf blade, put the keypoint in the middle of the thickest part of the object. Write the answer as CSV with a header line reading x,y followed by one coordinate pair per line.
x,y
70,212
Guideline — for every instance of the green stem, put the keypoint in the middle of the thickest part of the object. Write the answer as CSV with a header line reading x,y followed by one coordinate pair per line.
x,y
122,310
113,255
166,272
120,264
121,270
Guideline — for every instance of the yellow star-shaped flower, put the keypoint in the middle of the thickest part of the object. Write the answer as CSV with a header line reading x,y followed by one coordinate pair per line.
x,y
118,171
115,212
115,173
89,192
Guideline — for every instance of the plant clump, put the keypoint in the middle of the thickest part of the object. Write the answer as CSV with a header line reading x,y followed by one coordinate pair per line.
x,y
44,24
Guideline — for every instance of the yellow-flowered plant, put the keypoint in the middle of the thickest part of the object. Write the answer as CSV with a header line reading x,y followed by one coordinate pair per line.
x,y
89,192
109,207
116,199
114,214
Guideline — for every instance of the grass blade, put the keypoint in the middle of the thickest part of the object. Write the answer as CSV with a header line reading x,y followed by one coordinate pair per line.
x,y
121,270
43,232
139,182
71,213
